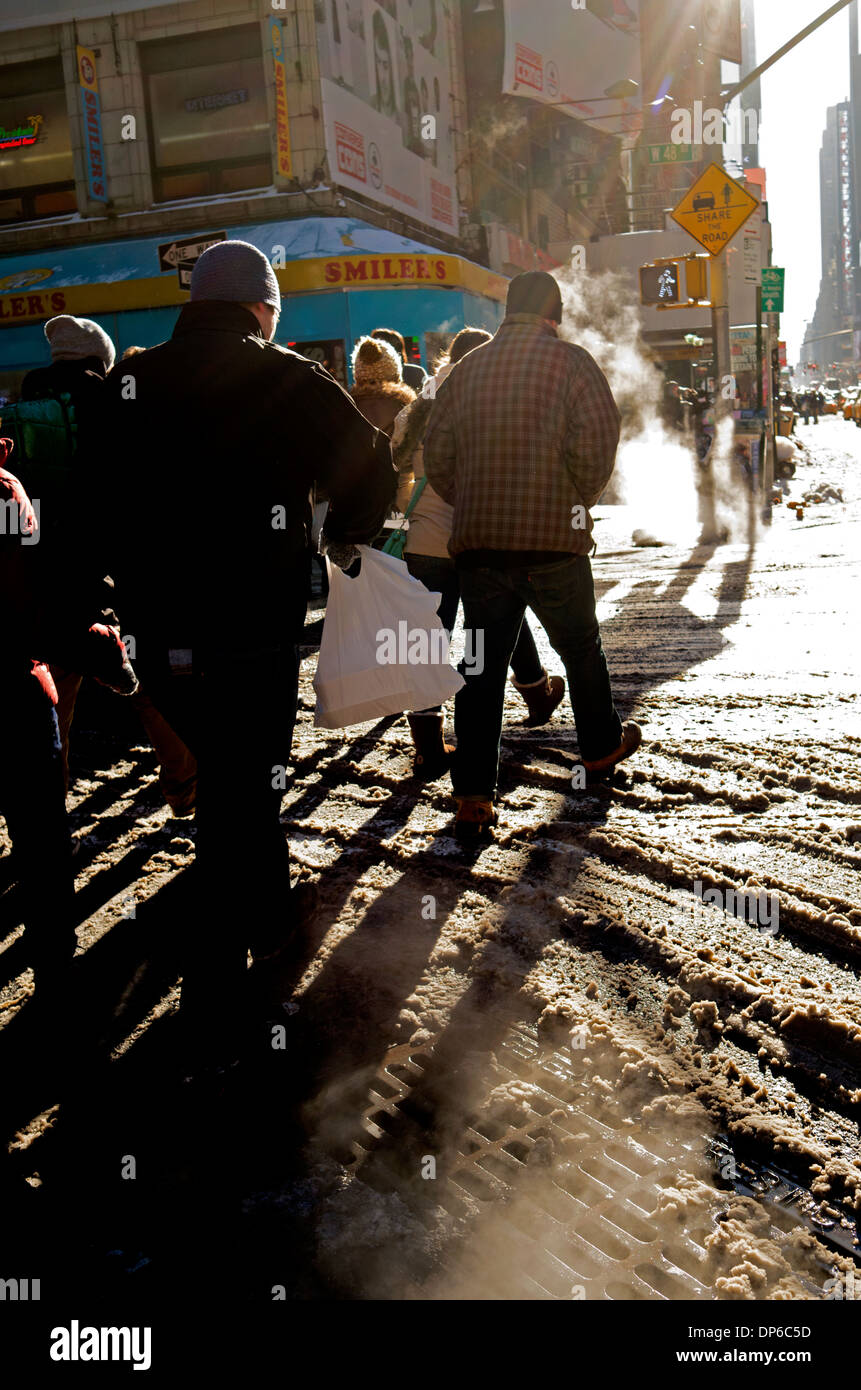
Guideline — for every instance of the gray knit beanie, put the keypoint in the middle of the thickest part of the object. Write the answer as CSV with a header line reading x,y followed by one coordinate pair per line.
x,y
71,338
235,271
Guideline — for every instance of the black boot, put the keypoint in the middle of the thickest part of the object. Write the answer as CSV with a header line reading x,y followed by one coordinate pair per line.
x,y
433,754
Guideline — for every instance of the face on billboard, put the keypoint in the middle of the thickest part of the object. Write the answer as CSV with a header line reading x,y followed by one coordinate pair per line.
x,y
385,86
384,76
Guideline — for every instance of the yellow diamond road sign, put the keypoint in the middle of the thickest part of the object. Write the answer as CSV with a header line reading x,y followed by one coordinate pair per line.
x,y
714,209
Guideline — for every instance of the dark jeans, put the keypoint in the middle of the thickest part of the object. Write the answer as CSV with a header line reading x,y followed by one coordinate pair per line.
x,y
442,575
562,597
237,720
33,800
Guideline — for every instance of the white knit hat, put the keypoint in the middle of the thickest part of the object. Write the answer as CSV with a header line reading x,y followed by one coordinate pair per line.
x,y
71,338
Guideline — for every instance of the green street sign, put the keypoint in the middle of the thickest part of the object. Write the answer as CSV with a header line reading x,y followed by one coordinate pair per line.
x,y
771,294
671,154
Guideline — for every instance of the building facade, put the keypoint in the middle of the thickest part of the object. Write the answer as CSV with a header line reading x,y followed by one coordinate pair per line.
x,y
831,340
131,134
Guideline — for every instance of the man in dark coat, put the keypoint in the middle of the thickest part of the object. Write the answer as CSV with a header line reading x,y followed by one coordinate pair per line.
x,y
82,354
211,444
42,620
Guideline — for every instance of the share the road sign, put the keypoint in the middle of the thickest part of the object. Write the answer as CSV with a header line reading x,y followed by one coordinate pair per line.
x,y
773,277
714,209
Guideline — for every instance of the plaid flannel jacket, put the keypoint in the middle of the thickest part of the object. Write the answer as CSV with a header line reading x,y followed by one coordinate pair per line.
x,y
522,432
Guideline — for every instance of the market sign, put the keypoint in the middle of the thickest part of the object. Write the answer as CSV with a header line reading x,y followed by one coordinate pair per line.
x,y
714,208
94,149
282,125
21,136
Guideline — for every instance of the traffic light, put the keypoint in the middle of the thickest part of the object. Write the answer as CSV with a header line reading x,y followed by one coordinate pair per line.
x,y
660,284
697,277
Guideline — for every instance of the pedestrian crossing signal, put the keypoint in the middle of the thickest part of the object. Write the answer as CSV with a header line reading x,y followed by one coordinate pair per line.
x,y
660,284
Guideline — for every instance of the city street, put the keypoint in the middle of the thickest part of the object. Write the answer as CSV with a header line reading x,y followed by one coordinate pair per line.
x,y
375,373
599,1064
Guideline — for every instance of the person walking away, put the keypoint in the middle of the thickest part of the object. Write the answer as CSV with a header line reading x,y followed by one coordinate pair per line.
x,y
413,373
428,560
82,354
43,616
213,575
378,388
521,441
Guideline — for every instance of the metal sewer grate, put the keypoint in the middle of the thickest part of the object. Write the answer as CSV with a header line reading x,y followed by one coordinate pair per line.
x,y
588,1224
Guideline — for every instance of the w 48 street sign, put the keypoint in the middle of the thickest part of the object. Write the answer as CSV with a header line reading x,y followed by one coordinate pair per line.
x,y
772,289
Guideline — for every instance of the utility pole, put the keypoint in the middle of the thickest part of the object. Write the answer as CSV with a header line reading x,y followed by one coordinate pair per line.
x,y
734,91
770,320
720,337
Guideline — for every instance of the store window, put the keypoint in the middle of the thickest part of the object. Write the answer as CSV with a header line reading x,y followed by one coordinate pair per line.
x,y
206,96
37,173
329,353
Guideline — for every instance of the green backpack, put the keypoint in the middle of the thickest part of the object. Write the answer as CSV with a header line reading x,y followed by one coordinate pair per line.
x,y
44,434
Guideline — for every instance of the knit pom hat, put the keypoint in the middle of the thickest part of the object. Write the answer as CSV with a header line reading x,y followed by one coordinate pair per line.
x,y
235,271
71,338
375,362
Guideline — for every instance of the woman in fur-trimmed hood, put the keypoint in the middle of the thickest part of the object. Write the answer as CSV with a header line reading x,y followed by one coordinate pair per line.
x,y
379,390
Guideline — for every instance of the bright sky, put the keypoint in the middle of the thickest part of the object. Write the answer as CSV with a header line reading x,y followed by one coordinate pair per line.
x,y
796,93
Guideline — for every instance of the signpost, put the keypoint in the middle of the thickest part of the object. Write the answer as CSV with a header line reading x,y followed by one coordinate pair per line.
x,y
773,278
713,210
182,255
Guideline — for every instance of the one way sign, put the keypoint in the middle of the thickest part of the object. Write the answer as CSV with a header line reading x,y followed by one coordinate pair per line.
x,y
174,253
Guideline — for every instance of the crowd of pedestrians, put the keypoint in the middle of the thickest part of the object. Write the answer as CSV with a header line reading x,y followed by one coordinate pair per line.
x,y
178,508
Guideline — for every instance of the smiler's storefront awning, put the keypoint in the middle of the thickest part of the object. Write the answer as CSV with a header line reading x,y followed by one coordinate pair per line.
x,y
311,256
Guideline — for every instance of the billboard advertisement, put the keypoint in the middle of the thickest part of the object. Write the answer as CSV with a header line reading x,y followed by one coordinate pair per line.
x,y
575,58
386,110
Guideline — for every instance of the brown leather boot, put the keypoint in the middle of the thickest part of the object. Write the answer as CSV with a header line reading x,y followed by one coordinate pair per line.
x,y
541,697
433,754
632,737
475,818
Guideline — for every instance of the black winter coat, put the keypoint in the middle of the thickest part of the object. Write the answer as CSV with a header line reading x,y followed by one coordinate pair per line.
x,y
208,449
82,377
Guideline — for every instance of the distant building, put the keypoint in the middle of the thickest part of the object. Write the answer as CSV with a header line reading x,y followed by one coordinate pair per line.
x,y
831,336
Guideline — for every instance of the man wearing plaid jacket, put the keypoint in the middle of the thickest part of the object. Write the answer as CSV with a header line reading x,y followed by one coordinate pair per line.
x,y
521,441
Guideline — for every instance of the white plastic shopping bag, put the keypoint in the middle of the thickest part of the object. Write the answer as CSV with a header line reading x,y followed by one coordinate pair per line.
x,y
383,649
